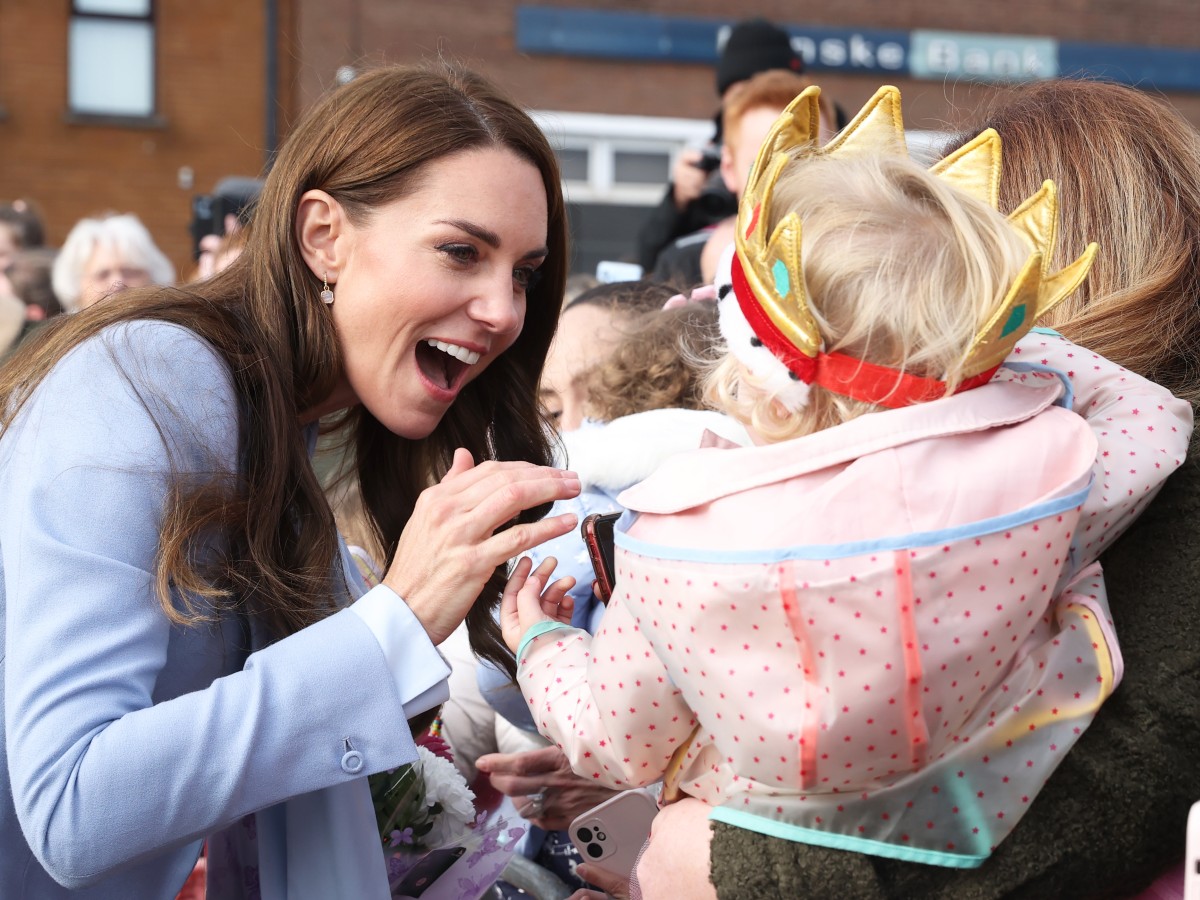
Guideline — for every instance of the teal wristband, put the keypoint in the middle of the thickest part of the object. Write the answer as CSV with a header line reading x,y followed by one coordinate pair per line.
x,y
537,631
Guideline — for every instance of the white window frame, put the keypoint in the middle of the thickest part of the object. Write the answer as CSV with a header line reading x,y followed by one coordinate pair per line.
x,y
93,11
602,136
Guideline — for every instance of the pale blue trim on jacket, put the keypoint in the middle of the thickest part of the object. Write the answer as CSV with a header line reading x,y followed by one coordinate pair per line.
x,y
1067,399
857,548
800,834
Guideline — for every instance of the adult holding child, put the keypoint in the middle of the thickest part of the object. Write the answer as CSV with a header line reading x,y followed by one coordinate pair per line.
x,y
189,651
1112,817
904,702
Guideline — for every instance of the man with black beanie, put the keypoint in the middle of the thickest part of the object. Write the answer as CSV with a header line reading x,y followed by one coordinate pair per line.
x,y
696,196
755,45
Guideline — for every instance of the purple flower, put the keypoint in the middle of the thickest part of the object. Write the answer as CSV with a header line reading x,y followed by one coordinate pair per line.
x,y
396,838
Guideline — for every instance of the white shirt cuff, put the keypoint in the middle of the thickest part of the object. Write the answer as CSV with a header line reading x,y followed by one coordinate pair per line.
x,y
419,670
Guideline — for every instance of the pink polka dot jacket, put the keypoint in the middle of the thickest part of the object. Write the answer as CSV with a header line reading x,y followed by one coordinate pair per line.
x,y
881,637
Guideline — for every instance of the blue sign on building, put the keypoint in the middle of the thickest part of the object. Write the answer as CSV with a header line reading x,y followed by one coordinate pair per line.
x,y
984,57
919,53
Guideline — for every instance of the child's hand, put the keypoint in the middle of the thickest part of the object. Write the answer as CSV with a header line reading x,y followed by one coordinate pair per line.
x,y
525,603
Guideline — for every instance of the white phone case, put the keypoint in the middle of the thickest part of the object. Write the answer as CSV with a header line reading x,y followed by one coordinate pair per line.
x,y
611,835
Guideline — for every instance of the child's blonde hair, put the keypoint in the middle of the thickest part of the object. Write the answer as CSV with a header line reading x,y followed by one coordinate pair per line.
x,y
902,270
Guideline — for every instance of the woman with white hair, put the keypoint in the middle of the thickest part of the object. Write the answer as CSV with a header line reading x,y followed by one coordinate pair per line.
x,y
104,255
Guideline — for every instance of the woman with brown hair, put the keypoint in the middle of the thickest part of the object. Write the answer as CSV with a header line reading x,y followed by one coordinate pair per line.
x,y
1112,817
188,651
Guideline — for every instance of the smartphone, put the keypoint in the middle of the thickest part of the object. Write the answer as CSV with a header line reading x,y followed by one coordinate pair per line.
x,y
598,536
612,834
428,869
611,270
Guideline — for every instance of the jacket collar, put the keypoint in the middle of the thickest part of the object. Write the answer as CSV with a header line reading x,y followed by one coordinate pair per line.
x,y
702,476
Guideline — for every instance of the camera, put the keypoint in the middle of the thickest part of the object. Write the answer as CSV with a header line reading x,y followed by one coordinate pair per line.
x,y
233,196
710,159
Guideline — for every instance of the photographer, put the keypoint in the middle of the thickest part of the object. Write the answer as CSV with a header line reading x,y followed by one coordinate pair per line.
x,y
217,221
749,109
697,197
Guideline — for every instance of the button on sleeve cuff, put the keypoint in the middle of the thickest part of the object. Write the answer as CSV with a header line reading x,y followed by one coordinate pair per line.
x,y
419,670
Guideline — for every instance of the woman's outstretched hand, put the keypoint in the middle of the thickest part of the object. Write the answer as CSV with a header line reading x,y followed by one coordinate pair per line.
x,y
527,600
450,546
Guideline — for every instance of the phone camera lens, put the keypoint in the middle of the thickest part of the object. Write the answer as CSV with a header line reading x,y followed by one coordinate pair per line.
x,y
595,851
585,834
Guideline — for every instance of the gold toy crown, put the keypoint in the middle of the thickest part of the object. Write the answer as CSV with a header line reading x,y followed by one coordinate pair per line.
x,y
769,280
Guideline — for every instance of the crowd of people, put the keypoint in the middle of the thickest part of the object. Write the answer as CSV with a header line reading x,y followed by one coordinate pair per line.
x,y
901,453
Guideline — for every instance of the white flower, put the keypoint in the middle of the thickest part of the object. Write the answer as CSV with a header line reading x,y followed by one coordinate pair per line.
x,y
444,784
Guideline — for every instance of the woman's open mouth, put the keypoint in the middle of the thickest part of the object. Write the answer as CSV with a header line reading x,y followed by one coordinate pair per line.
x,y
445,365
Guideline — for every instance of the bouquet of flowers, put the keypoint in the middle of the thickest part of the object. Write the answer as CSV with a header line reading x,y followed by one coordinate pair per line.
x,y
423,804
435,844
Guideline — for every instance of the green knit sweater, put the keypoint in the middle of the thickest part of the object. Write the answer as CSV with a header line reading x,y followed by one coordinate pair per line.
x,y
1113,815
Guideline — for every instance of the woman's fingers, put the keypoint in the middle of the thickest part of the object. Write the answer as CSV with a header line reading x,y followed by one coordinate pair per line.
x,y
503,494
525,536
470,510
450,546
462,462
473,483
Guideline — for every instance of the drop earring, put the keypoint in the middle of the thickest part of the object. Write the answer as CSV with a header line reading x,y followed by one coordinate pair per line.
x,y
326,291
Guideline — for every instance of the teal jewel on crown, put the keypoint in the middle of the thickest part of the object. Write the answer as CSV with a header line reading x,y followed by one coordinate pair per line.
x,y
783,283
1015,318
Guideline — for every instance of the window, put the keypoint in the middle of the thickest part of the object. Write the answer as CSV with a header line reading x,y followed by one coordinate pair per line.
x,y
642,167
111,58
618,159
573,163
614,170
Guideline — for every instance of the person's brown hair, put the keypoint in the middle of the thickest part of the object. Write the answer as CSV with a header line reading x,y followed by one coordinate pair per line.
x,y
29,275
660,363
366,144
1127,168
24,220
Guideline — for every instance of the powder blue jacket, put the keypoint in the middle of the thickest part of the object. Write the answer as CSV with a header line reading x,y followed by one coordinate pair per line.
x,y
128,740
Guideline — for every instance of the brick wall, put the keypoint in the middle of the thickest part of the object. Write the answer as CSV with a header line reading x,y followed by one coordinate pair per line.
x,y
338,32
211,106
211,80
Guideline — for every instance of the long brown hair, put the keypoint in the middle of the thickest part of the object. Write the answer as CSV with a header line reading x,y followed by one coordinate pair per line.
x,y
1127,168
365,144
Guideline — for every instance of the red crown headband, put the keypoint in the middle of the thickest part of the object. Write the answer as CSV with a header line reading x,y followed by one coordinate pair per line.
x,y
839,373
